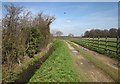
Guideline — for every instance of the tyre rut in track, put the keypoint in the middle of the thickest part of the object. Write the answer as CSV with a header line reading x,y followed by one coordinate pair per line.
x,y
87,69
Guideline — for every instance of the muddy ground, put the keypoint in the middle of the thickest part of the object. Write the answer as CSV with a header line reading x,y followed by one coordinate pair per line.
x,y
88,70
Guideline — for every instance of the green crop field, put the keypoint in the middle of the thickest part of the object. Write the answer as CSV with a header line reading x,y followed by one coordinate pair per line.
x,y
58,67
99,45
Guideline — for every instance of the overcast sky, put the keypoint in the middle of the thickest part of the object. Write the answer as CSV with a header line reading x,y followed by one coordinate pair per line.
x,y
77,17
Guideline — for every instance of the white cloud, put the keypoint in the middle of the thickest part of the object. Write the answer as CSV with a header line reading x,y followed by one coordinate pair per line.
x,y
68,21
104,19
88,29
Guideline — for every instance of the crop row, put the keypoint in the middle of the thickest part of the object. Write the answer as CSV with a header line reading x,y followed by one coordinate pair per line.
x,y
109,47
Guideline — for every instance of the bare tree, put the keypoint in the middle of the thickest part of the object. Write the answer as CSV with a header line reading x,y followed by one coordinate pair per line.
x,y
70,35
11,32
23,35
59,33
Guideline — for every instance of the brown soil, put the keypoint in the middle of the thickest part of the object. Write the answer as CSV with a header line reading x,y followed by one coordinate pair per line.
x,y
105,59
86,69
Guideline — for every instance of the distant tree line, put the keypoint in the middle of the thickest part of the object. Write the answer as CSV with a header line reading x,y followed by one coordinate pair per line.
x,y
23,34
112,33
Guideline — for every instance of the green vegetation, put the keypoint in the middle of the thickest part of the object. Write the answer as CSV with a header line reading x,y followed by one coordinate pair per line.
x,y
19,69
58,67
34,42
24,35
108,48
113,73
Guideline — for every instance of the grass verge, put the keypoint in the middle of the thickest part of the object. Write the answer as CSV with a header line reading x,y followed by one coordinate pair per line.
x,y
58,67
113,73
